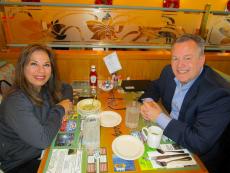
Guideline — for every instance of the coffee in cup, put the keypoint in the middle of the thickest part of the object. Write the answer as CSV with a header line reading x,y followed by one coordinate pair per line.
x,y
153,135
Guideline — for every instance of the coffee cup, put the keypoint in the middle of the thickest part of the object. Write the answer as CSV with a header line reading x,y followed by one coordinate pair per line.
x,y
153,135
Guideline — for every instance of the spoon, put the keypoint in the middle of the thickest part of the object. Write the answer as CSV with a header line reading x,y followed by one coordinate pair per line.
x,y
162,151
164,163
93,100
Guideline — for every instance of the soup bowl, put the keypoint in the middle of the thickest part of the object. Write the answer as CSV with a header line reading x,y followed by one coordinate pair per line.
x,y
88,107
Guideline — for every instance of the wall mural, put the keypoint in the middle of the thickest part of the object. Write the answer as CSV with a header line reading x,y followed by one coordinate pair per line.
x,y
219,30
96,26
60,30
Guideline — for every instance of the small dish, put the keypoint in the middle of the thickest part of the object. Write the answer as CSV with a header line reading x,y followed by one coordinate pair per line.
x,y
110,118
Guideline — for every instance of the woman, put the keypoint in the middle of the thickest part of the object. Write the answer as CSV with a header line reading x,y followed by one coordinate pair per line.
x,y
31,113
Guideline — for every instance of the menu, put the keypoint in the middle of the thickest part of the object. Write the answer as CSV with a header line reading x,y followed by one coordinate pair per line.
x,y
65,160
66,154
112,63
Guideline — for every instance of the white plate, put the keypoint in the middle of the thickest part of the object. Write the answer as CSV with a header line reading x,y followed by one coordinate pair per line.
x,y
128,147
110,119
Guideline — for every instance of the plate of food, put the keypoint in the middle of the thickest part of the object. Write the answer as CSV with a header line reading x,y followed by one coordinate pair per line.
x,y
88,106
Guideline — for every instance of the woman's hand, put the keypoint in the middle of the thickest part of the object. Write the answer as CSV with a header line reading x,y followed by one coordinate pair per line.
x,y
150,110
67,105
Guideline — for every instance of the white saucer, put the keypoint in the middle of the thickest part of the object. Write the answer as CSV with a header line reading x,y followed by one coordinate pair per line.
x,y
128,147
110,118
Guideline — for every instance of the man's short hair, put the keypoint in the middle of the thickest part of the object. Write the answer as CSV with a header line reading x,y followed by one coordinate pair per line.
x,y
196,38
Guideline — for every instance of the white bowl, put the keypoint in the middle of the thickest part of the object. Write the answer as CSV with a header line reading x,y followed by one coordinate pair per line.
x,y
88,107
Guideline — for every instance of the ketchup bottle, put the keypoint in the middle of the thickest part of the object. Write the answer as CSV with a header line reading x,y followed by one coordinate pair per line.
x,y
93,77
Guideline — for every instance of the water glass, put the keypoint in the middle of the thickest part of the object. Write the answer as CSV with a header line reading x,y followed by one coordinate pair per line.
x,y
132,114
91,132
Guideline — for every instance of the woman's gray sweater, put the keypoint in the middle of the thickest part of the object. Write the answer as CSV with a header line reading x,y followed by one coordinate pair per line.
x,y
27,129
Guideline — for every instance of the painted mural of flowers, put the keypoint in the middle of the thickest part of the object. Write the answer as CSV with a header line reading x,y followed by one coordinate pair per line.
x,y
168,32
105,29
149,33
29,29
59,30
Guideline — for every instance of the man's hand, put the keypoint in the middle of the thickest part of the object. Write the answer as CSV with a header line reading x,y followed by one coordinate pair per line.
x,y
150,110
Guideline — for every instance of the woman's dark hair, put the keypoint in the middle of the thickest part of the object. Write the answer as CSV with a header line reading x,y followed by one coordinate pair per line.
x,y
52,86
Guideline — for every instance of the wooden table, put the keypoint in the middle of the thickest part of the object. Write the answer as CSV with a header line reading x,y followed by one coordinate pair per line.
x,y
107,136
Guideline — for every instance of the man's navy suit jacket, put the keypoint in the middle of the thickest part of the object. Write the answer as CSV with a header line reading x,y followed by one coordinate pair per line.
x,y
204,114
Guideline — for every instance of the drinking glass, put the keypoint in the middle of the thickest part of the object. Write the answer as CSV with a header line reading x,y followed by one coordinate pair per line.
x,y
132,114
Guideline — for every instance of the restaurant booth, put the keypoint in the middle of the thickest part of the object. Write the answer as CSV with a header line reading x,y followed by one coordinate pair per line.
x,y
139,31
83,32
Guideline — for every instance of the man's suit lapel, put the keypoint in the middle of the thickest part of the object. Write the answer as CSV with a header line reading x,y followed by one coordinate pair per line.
x,y
169,91
185,105
192,92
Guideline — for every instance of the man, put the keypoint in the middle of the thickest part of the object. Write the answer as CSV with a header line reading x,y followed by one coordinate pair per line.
x,y
197,99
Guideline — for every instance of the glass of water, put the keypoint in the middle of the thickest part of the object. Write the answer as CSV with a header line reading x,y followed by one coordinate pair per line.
x,y
132,114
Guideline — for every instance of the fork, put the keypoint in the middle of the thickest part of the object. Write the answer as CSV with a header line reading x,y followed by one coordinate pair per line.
x,y
164,163
173,151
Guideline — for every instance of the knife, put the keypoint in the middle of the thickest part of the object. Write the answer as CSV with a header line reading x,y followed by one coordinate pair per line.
x,y
169,156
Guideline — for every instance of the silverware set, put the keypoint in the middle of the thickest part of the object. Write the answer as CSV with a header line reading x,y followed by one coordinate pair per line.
x,y
172,151
164,163
170,156
179,155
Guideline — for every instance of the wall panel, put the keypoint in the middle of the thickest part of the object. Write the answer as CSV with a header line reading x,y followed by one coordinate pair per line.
x,y
75,65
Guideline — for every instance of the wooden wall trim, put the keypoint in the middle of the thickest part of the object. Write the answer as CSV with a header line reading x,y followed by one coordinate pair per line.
x,y
72,54
75,64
